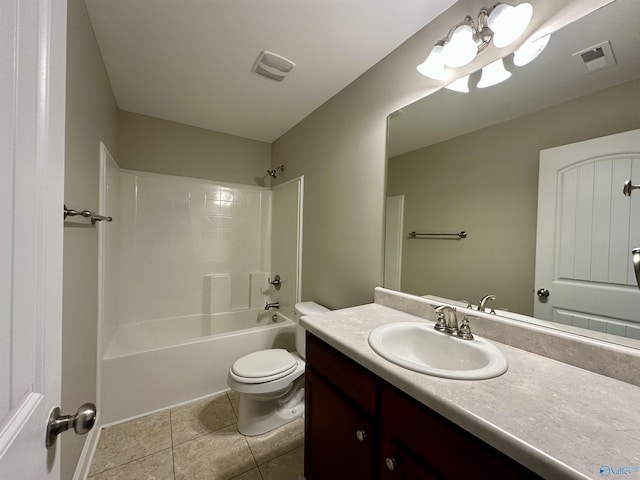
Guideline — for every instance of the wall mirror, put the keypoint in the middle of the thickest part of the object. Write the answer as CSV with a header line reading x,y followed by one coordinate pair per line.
x,y
470,162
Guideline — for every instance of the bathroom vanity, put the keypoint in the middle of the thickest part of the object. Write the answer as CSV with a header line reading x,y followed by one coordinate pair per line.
x,y
380,432
368,418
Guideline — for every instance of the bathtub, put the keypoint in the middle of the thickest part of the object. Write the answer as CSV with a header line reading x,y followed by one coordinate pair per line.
x,y
156,364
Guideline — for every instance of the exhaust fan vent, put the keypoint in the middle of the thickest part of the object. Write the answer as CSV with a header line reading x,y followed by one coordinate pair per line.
x,y
273,66
597,57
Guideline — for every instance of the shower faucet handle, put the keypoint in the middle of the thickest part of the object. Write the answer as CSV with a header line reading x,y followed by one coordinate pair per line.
x,y
276,282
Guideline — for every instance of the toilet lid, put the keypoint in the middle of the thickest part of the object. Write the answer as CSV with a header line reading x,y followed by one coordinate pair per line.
x,y
264,363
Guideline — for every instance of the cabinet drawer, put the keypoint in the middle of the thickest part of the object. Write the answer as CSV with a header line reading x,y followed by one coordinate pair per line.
x,y
343,373
446,449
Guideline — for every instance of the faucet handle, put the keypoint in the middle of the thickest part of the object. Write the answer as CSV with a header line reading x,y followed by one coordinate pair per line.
x,y
466,302
450,317
445,311
464,332
441,323
276,282
444,308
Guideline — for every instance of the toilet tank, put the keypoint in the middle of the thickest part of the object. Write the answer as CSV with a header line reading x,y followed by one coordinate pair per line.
x,y
302,309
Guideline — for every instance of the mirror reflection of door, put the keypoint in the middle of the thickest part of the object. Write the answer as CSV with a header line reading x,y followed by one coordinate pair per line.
x,y
586,231
393,242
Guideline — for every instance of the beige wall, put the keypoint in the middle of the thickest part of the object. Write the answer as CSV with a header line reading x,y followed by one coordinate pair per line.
x,y
155,145
340,148
136,142
91,117
486,183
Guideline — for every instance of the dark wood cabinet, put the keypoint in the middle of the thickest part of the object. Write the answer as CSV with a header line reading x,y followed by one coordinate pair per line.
x,y
421,440
397,462
340,436
341,404
358,426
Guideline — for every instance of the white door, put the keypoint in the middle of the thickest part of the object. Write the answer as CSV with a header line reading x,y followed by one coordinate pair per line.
x,y
586,231
32,108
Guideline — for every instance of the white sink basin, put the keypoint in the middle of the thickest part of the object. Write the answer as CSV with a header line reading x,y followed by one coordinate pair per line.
x,y
418,347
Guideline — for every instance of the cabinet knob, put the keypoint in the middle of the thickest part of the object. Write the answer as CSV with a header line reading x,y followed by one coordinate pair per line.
x,y
361,435
391,463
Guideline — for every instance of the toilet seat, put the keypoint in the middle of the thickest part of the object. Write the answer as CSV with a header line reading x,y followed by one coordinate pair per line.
x,y
271,383
263,366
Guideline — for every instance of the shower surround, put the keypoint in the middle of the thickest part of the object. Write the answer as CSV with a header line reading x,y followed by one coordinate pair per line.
x,y
180,238
185,283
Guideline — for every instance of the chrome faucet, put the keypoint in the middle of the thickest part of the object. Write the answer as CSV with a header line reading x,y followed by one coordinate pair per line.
x,y
483,302
448,323
447,320
269,306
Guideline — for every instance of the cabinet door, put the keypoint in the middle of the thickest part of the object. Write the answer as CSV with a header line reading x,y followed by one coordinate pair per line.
x,y
397,464
339,438
441,446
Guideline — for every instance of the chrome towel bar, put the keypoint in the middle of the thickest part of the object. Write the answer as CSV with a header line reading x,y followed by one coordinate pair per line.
x,y
68,212
459,235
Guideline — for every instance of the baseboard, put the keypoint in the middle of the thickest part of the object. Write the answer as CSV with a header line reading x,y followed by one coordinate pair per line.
x,y
90,444
164,409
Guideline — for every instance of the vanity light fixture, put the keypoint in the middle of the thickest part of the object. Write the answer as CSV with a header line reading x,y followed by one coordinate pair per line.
x,y
501,24
507,23
460,85
461,48
493,74
433,66
530,50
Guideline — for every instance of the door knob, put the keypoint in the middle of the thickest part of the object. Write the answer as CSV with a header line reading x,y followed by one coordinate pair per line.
x,y
391,463
81,422
543,293
361,435
629,187
635,256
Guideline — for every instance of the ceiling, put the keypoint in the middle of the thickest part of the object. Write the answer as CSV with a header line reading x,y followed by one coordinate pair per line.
x,y
190,61
555,76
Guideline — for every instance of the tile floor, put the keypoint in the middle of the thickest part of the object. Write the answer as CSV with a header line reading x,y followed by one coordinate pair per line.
x,y
198,441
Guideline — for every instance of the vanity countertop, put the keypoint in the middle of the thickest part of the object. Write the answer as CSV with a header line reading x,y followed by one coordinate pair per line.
x,y
556,419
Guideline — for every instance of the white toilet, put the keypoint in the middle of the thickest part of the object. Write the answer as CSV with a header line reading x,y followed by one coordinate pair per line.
x,y
271,382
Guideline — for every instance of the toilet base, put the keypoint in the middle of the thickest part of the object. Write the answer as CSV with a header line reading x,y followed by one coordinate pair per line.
x,y
259,415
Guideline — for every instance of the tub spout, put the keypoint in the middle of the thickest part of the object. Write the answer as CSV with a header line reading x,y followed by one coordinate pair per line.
x,y
269,306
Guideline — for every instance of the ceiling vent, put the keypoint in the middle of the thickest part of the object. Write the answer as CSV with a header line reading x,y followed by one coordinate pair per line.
x,y
273,66
597,57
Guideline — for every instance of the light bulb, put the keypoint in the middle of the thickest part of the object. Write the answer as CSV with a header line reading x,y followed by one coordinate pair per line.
x,y
433,66
460,85
493,74
507,23
530,50
461,48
